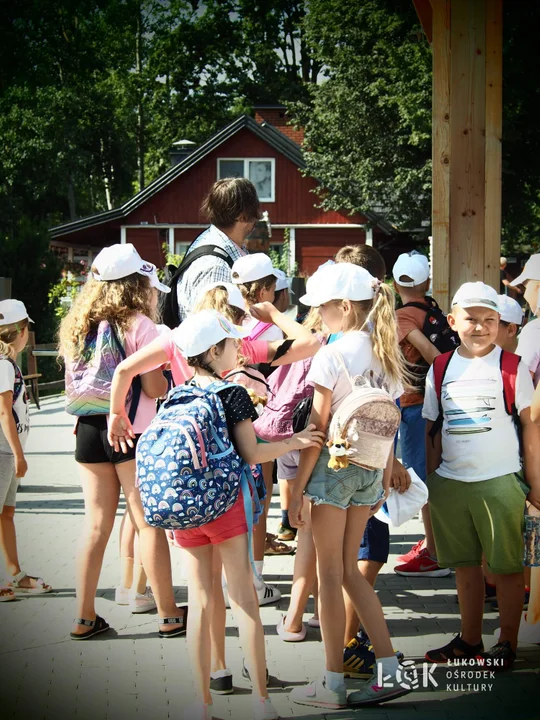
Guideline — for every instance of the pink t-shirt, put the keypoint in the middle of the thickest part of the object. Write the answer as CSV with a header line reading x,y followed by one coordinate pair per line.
x,y
255,351
140,334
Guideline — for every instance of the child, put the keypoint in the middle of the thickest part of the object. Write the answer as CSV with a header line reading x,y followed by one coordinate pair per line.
x,y
282,295
208,342
257,279
509,324
477,497
14,427
349,299
529,339
122,295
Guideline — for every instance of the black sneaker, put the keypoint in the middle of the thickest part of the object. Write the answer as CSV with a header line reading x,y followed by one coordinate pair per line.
x,y
457,649
222,685
498,658
246,675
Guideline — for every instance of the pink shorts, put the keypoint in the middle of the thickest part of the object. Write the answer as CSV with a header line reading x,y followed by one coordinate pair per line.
x,y
287,465
229,525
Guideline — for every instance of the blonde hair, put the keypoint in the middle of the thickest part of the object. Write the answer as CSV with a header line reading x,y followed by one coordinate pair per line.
x,y
379,314
116,301
217,298
8,335
251,290
313,320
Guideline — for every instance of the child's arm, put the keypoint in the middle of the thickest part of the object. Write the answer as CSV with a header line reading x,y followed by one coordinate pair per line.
x,y
9,428
433,449
254,452
150,357
535,406
266,312
305,343
426,348
531,456
387,480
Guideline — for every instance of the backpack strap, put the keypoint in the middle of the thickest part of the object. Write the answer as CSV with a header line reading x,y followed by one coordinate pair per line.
x,y
251,498
509,363
440,366
420,305
18,387
241,371
136,384
258,330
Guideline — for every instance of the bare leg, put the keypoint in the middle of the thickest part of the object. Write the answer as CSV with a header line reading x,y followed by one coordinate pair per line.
x,y
428,529
219,616
284,494
305,573
199,573
101,491
8,540
154,547
510,589
140,579
470,590
234,554
127,551
369,569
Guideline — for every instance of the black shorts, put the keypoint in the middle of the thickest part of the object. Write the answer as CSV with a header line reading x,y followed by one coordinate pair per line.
x,y
92,446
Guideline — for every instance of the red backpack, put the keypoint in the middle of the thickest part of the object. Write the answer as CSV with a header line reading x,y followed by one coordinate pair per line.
x,y
509,363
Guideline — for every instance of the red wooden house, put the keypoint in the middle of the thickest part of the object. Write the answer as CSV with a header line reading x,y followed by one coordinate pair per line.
x,y
265,149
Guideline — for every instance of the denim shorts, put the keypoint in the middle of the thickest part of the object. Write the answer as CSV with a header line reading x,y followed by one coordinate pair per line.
x,y
352,485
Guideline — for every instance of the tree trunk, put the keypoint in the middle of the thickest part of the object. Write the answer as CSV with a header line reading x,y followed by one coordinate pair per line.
x,y
140,108
71,200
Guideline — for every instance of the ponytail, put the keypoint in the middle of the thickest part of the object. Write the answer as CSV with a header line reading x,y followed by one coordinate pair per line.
x,y
384,336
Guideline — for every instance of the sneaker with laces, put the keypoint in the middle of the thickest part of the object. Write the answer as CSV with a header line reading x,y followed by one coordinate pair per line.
x,y
247,676
422,565
221,682
266,594
358,660
121,595
413,552
318,695
498,658
373,694
141,603
264,710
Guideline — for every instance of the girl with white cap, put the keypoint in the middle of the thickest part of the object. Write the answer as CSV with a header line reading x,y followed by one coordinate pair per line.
x,y
14,427
353,302
120,299
210,344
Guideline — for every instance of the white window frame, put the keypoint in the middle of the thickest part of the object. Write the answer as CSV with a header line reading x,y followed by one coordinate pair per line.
x,y
246,161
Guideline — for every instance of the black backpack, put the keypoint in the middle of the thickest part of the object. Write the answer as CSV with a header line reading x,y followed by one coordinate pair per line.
x,y
169,309
438,331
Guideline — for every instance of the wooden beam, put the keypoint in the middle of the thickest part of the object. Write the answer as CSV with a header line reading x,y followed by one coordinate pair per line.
x,y
425,15
492,220
441,153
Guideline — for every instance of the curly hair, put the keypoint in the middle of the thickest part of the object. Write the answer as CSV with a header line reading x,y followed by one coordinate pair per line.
x,y
217,298
116,301
251,290
8,335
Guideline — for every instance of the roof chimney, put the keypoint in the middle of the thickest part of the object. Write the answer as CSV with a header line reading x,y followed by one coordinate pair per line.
x,y
277,116
180,150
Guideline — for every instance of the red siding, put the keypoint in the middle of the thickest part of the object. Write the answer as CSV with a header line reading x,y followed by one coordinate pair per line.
x,y
149,243
180,201
314,247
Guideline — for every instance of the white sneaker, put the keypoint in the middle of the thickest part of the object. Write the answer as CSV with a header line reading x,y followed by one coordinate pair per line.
x,y
373,694
142,603
265,593
198,711
264,710
121,595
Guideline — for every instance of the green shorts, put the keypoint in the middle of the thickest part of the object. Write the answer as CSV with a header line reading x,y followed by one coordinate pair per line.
x,y
471,518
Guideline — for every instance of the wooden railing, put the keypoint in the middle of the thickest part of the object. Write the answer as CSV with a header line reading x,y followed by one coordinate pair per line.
x,y
32,376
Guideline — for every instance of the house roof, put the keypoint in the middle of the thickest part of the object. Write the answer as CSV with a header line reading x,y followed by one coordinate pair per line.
x,y
264,130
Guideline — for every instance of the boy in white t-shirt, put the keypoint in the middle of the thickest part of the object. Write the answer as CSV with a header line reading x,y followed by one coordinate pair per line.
x,y
477,496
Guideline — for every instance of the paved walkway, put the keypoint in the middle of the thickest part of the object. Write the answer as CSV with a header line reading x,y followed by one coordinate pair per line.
x,y
131,673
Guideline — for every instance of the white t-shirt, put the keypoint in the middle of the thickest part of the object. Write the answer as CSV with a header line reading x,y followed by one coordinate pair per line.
x,y
357,352
479,439
529,348
272,333
7,383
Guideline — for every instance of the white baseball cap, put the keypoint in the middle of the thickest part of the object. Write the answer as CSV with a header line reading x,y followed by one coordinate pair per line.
x,y
252,267
413,265
340,281
476,294
235,297
118,261
201,330
531,271
12,311
282,282
510,310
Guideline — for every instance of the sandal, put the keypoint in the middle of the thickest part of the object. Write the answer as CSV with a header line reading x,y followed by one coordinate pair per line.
x,y
40,587
275,547
457,649
174,621
6,594
96,626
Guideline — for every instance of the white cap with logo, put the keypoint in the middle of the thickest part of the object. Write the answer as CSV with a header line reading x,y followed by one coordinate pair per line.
x,y
235,297
118,261
510,310
341,281
12,311
531,271
476,294
252,267
283,281
412,265
201,330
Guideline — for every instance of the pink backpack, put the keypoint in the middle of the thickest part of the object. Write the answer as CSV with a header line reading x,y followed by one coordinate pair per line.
x,y
288,387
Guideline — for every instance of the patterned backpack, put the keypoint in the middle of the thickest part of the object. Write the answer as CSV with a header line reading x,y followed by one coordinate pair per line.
x,y
188,470
89,378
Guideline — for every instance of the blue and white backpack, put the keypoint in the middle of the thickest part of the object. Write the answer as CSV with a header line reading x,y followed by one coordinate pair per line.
x,y
188,470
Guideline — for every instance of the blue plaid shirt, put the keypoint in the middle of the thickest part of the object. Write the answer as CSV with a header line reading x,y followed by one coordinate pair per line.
x,y
206,270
